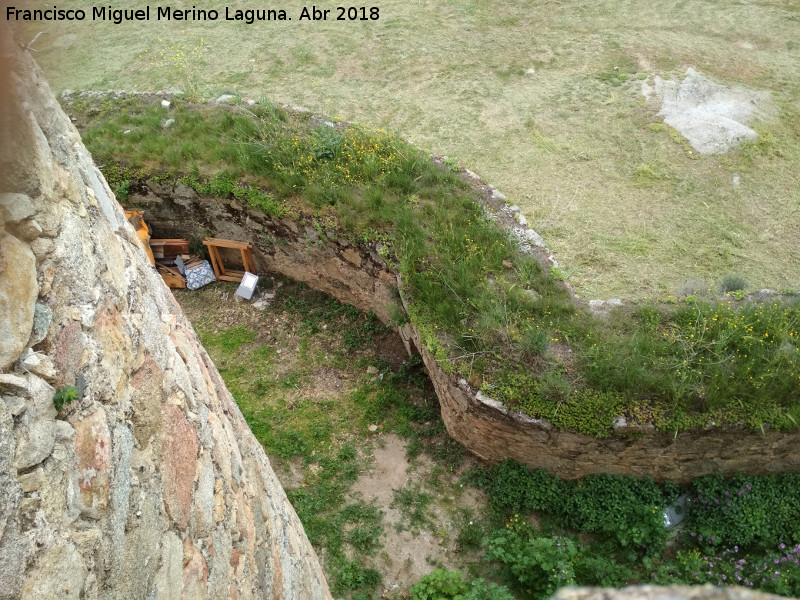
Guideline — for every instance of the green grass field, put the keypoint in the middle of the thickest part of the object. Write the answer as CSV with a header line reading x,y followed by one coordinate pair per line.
x,y
542,99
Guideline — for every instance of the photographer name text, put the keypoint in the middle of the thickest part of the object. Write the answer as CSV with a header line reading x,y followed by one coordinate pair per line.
x,y
120,16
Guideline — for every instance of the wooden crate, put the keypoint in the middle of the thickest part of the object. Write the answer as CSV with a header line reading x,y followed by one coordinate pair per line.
x,y
214,244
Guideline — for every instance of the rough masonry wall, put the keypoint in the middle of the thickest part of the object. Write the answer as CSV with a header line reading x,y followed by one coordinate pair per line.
x,y
150,485
484,426
323,259
494,433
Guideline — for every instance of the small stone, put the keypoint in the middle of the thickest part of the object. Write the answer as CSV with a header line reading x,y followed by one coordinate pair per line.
x,y
373,428
225,99
15,405
29,229
534,238
514,208
14,384
168,123
619,423
16,207
183,194
736,180
165,104
614,302
312,234
497,195
534,295
126,132
508,264
32,481
39,364
42,317
372,370
522,220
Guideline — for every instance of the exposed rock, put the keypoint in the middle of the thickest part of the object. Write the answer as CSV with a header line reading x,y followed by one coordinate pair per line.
x,y
14,384
18,291
32,481
15,404
59,573
183,193
352,256
28,230
35,443
713,117
15,208
39,364
93,450
225,99
180,454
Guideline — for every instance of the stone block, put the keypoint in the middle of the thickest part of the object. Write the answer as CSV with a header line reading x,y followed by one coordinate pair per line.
x,y
18,291
93,451
15,208
59,573
179,461
34,444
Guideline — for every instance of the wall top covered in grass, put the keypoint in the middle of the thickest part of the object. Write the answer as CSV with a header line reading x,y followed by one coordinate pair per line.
x,y
483,293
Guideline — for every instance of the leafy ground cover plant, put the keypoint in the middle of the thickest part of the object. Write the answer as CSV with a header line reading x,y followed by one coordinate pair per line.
x,y
623,510
448,585
754,513
536,566
740,530
777,572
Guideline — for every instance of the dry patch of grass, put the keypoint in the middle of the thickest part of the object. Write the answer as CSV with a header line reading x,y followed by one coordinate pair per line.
x,y
542,100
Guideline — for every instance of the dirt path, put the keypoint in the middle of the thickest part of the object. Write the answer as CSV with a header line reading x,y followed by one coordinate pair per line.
x,y
408,554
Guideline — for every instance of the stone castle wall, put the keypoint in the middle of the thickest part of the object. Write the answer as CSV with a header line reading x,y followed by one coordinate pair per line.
x,y
150,484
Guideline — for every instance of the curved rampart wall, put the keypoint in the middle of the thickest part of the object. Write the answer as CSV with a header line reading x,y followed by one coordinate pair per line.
x,y
361,277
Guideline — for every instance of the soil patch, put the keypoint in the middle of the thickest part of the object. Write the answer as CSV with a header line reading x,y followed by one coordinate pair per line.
x,y
409,554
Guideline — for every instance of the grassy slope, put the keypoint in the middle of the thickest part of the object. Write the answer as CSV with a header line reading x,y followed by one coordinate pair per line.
x,y
523,93
483,309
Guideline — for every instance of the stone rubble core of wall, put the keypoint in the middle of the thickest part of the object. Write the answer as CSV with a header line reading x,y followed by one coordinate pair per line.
x,y
150,484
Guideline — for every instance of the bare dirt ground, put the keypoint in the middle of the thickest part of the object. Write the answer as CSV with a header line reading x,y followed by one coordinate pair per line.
x,y
307,383
407,555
